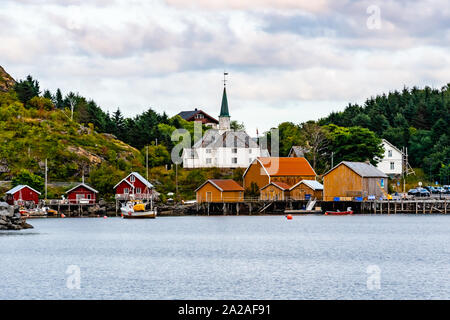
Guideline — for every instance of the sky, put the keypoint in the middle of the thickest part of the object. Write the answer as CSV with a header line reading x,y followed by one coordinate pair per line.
x,y
288,60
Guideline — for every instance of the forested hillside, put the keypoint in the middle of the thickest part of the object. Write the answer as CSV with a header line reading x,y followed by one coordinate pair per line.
x,y
415,118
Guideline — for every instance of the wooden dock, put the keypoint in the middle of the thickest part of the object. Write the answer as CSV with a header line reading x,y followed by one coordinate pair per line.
x,y
417,206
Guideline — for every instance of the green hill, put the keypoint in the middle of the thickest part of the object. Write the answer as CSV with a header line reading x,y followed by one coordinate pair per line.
x,y
35,132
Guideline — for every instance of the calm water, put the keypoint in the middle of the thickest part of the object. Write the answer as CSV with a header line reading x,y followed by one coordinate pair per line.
x,y
309,257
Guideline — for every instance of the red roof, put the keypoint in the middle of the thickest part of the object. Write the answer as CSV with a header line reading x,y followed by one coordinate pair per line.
x,y
287,166
224,185
280,185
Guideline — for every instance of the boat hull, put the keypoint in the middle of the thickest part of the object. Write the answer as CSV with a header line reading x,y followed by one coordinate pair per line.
x,y
140,215
338,213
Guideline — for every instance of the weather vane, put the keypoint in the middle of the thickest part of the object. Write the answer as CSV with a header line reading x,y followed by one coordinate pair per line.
x,y
224,78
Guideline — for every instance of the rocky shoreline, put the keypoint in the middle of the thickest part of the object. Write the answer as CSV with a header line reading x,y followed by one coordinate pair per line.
x,y
11,219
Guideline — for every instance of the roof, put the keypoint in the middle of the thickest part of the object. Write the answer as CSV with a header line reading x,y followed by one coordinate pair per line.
x,y
223,185
20,187
313,184
137,175
82,185
285,166
213,138
280,185
363,169
297,151
224,108
188,115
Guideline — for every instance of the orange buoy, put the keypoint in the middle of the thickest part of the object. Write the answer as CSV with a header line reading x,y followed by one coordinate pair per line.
x,y
62,215
289,217
104,217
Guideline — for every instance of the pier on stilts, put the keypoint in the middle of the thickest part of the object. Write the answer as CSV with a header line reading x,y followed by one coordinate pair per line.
x,y
260,207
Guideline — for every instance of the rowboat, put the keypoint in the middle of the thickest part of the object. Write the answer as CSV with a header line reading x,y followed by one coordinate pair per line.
x,y
338,213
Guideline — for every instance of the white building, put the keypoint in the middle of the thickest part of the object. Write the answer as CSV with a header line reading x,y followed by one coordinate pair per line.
x,y
392,161
223,147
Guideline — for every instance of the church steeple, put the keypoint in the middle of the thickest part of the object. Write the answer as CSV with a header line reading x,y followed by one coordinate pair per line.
x,y
224,109
224,117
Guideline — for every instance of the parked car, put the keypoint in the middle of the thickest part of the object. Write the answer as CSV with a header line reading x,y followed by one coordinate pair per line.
x,y
419,192
431,189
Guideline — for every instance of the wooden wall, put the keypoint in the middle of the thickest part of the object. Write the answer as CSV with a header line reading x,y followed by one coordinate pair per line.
x,y
217,195
254,174
341,182
273,193
299,192
344,182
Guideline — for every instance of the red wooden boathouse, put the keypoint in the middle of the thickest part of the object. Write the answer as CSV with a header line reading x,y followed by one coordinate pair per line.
x,y
82,194
22,193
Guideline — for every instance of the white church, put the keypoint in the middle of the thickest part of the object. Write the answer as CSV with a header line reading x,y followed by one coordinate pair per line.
x,y
223,147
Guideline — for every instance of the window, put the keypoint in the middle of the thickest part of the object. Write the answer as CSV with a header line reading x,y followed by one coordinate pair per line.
x,y
233,160
138,190
132,178
208,160
199,116
390,153
126,190
392,165
249,150
234,150
208,150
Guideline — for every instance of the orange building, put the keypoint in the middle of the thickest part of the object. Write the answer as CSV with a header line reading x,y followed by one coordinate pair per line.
x,y
290,170
220,190
348,180
306,189
275,191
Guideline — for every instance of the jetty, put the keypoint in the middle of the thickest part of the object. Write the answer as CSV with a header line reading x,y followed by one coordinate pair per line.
x,y
258,207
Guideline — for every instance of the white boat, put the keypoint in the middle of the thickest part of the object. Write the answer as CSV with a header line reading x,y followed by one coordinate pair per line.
x,y
136,210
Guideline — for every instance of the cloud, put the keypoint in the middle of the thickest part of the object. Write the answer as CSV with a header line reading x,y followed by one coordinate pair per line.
x,y
307,5
288,60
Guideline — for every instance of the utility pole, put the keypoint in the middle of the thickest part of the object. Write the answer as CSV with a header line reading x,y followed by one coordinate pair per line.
x,y
332,160
176,178
46,179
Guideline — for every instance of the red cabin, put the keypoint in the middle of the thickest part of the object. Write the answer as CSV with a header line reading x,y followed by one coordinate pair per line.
x,y
22,193
133,186
82,194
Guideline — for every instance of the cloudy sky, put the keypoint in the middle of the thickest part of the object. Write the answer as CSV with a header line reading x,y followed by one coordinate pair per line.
x,y
288,60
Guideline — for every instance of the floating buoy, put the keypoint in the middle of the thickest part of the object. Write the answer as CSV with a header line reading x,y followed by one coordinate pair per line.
x,y
62,215
289,217
104,217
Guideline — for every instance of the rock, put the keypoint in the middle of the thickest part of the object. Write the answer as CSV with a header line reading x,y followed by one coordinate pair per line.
x,y
11,219
6,81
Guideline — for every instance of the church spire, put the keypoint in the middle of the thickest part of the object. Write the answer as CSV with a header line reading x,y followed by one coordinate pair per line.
x,y
224,117
224,108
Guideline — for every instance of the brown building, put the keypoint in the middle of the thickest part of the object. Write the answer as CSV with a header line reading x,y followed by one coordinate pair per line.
x,y
199,115
354,179
220,190
275,191
264,170
306,189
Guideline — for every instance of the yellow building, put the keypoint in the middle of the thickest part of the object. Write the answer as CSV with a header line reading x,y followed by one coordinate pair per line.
x,y
220,190
275,190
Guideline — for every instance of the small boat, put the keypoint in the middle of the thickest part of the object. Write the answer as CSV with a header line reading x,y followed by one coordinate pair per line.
x,y
136,210
339,213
